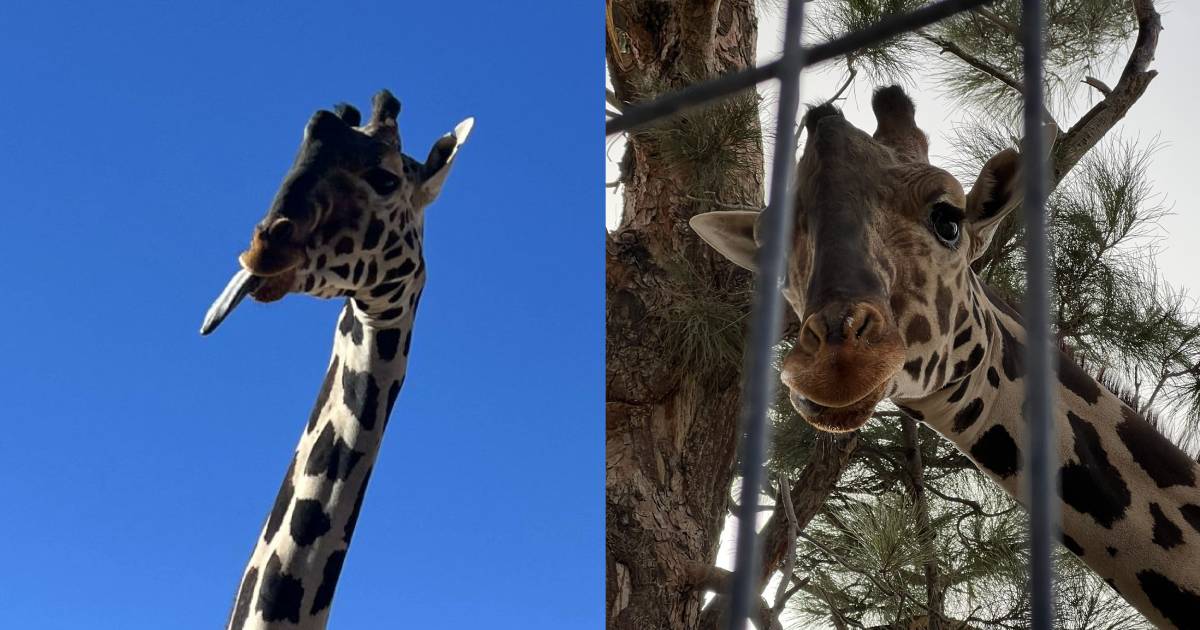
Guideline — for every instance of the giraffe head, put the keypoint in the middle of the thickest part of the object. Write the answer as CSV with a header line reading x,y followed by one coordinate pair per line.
x,y
879,268
347,220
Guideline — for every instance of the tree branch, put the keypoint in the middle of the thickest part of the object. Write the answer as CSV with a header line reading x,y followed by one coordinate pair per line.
x,y
789,560
1135,78
808,493
1098,84
1004,24
973,61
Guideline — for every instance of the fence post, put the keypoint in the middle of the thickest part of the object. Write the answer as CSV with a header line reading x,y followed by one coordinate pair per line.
x,y
760,381
1039,447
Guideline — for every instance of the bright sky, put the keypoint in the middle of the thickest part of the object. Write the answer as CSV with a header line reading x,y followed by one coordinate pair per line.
x,y
138,146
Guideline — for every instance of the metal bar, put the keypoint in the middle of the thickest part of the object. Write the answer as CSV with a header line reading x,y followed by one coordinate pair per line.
x,y
721,87
765,326
1039,449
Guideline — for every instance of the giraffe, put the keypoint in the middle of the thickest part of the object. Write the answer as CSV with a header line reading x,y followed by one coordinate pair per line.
x,y
879,275
347,222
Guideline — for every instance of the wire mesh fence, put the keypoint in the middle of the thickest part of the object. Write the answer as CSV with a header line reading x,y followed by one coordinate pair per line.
x,y
764,330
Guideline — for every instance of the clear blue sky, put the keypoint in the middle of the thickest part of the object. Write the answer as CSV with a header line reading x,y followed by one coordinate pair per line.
x,y
138,146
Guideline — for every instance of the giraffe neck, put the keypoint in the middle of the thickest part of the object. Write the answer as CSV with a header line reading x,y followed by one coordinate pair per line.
x,y
1129,498
293,571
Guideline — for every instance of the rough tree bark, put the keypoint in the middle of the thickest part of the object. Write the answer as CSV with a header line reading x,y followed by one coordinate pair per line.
x,y
671,429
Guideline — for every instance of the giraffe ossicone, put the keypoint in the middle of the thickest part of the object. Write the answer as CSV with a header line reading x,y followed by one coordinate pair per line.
x,y
879,275
347,222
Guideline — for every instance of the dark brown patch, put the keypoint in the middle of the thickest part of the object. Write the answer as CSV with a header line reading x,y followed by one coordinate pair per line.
x,y
1162,460
943,305
918,278
1177,604
1071,545
930,367
1075,379
241,608
280,594
1191,514
993,377
1013,360
961,317
960,392
1166,533
913,368
1093,486
309,522
918,330
1112,551
962,368
998,452
322,395
329,578
968,415
282,500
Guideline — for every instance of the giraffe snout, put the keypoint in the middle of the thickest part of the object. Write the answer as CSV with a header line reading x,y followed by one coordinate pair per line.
x,y
845,351
854,324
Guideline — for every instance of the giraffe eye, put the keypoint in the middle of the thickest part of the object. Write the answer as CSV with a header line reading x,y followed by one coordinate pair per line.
x,y
382,181
946,221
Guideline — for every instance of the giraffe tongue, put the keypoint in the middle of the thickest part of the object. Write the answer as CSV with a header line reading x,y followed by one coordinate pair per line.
x,y
242,283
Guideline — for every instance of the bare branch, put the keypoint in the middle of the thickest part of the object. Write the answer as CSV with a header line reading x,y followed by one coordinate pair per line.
x,y
973,61
1135,78
1099,85
789,560
1004,24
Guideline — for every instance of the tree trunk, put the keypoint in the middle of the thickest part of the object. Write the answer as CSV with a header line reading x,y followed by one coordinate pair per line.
x,y
674,308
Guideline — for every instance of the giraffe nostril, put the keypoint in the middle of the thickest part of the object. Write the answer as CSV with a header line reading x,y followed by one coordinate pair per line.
x,y
862,329
812,336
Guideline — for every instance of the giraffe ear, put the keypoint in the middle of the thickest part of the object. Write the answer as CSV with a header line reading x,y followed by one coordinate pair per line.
x,y
996,192
441,156
731,233
998,189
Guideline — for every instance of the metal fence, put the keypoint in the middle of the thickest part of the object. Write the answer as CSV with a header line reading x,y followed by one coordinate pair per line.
x,y
759,381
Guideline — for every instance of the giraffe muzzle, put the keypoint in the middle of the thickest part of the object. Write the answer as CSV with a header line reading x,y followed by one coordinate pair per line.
x,y
844,358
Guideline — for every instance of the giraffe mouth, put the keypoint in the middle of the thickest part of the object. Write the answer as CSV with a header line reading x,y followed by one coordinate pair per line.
x,y
837,419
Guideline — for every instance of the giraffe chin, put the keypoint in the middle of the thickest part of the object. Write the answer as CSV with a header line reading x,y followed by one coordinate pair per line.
x,y
838,419
273,288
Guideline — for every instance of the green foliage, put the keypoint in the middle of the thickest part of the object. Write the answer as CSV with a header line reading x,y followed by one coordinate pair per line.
x,y
711,144
704,321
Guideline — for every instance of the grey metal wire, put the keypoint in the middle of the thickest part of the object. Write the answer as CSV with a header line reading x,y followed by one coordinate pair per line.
x,y
765,325
726,85
1039,447
767,319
